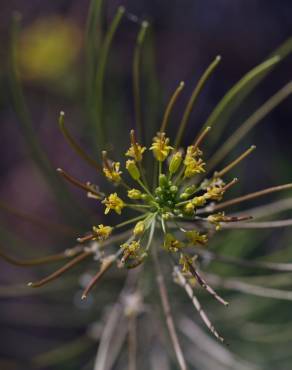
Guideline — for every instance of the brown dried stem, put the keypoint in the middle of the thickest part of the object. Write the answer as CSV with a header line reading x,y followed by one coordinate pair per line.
x,y
43,260
183,282
244,198
79,184
205,285
60,271
167,312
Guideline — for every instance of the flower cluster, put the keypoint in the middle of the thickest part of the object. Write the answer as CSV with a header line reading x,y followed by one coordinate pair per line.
x,y
179,195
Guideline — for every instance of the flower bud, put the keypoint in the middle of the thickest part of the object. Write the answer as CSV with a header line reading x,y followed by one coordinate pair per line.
x,y
175,162
173,189
134,194
188,192
163,181
139,228
133,169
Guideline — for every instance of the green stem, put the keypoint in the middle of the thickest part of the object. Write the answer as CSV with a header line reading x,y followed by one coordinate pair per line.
x,y
136,78
196,92
100,75
132,220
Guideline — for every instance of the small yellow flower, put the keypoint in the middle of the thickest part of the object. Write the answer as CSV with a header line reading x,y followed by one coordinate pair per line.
x,y
185,262
113,202
194,164
160,147
171,244
133,169
102,232
194,167
136,151
189,208
214,193
134,194
196,238
112,171
139,228
131,250
199,201
216,219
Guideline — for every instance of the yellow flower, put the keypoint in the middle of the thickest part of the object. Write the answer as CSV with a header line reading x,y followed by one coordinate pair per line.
x,y
136,150
199,201
185,262
216,218
139,228
113,202
196,238
189,207
171,244
102,232
160,147
112,171
194,164
131,250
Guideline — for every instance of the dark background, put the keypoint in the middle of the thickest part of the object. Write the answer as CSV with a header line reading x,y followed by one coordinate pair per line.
x,y
187,35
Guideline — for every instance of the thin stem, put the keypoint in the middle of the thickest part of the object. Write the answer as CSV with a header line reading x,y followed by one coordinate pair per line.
x,y
60,271
170,106
235,162
108,333
196,92
37,221
265,265
249,124
167,312
136,78
151,233
74,145
200,138
141,169
256,290
183,282
261,225
144,187
234,97
132,220
244,198
79,184
132,342
42,260
159,169
269,209
100,75
205,285
106,264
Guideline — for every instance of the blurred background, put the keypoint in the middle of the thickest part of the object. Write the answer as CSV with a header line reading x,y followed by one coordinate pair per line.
x,y
51,328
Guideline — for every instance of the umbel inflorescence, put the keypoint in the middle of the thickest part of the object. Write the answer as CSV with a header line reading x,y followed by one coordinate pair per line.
x,y
179,193
167,211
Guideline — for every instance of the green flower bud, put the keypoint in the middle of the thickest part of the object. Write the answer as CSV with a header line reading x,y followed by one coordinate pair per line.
x,y
188,192
190,189
134,194
133,169
163,181
175,162
173,189
158,191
